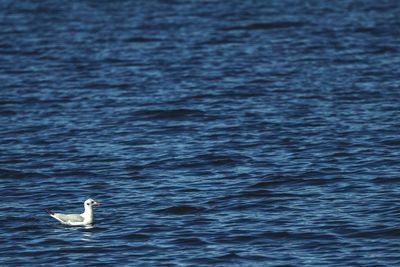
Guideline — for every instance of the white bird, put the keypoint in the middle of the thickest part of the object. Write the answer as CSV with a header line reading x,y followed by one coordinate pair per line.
x,y
85,218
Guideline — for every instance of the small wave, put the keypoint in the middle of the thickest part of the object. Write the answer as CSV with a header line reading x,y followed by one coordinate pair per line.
x,y
191,164
14,174
221,159
74,173
241,95
190,241
386,180
219,41
377,233
141,40
52,242
26,228
135,167
266,184
244,238
391,142
369,30
183,209
136,236
254,193
298,235
308,177
266,26
8,113
169,114
229,256
384,50
224,258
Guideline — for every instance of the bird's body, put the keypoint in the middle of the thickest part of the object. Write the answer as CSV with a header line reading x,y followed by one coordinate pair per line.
x,y
85,218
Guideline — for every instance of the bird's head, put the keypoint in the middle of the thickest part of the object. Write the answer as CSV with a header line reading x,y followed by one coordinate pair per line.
x,y
90,202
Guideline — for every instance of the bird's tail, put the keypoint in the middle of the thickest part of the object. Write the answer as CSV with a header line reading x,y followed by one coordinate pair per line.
x,y
49,211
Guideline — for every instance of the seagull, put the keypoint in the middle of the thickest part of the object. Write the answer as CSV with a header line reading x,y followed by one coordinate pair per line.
x,y
85,218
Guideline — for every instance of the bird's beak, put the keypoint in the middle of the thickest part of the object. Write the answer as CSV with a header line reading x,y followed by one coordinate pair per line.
x,y
97,203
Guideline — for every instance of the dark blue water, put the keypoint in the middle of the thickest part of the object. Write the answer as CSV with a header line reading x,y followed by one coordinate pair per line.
x,y
216,133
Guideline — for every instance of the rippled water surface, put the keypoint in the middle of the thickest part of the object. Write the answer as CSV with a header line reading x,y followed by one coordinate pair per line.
x,y
216,133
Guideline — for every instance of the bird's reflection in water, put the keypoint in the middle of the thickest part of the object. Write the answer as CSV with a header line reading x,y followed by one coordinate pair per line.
x,y
87,233
88,227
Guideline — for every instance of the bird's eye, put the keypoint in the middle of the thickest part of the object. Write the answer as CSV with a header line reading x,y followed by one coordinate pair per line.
x,y
88,204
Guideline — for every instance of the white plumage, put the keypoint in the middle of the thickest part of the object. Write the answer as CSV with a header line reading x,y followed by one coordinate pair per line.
x,y
85,218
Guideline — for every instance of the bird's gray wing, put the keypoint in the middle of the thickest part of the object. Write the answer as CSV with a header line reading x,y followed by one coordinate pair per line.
x,y
68,218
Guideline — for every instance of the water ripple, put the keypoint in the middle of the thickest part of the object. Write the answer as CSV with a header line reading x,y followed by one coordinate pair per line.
x,y
229,133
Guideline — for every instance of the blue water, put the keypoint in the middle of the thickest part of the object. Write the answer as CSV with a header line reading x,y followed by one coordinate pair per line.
x,y
216,133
